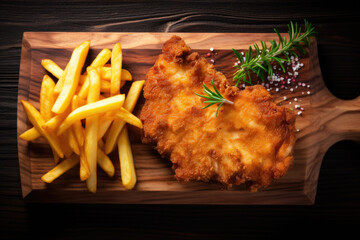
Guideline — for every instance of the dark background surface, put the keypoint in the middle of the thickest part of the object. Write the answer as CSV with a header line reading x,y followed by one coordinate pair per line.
x,y
336,211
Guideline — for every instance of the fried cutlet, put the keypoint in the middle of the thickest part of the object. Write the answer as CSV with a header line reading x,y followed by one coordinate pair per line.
x,y
248,142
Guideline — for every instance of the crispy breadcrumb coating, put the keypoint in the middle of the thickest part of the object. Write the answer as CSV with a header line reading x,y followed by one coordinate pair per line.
x,y
248,142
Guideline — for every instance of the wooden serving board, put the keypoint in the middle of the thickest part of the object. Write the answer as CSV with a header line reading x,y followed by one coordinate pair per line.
x,y
324,121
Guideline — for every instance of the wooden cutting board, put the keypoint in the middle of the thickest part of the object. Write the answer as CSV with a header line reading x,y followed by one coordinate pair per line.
x,y
324,121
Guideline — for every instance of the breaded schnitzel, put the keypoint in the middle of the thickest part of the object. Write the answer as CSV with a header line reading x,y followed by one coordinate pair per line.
x,y
249,142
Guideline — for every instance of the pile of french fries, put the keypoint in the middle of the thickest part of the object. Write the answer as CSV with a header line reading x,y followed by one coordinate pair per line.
x,y
83,115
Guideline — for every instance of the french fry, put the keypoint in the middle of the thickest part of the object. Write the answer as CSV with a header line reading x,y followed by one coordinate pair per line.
x,y
128,175
61,168
118,124
75,65
56,156
65,145
91,109
79,131
53,124
52,67
105,163
104,125
60,83
74,145
101,59
37,121
82,78
105,73
104,86
91,130
116,66
84,166
47,97
129,117
30,135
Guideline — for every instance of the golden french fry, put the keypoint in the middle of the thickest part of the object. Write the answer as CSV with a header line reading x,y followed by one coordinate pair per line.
x,y
61,168
74,145
53,124
91,130
47,97
91,109
37,121
30,135
56,156
129,117
72,77
104,125
84,166
118,124
52,67
128,175
79,131
125,75
84,89
104,86
90,148
60,83
105,73
116,66
101,59
65,145
105,163
82,78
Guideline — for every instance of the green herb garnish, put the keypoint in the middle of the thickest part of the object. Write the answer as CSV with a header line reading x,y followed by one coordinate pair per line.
x,y
260,62
213,97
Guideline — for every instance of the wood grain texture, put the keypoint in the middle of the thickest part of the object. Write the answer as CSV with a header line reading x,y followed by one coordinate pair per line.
x,y
156,182
336,211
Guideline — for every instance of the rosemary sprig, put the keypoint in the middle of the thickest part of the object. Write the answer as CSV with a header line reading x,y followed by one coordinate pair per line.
x,y
261,61
213,97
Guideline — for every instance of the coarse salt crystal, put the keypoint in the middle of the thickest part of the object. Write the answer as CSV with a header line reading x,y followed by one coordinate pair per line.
x,y
291,89
297,106
295,99
308,92
284,97
299,113
211,49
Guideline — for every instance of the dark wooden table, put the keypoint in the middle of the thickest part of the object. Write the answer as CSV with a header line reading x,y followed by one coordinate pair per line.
x,y
336,210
